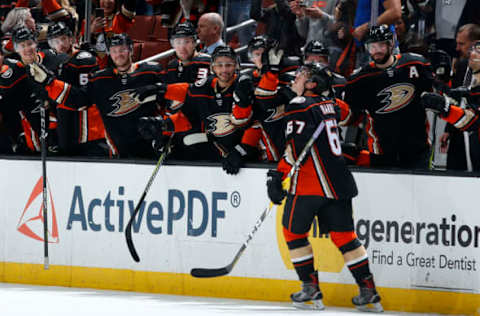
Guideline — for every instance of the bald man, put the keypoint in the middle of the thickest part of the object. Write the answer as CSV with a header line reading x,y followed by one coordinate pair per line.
x,y
209,29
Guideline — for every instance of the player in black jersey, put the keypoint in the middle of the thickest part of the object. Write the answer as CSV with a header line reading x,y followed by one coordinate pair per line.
x,y
19,93
387,91
321,187
190,65
316,51
206,110
111,90
76,127
465,118
271,94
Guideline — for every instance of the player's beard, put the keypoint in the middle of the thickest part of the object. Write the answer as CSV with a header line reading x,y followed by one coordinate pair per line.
x,y
383,60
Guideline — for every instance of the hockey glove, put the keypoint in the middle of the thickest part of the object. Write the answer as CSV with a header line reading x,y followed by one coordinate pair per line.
x,y
272,59
435,102
459,93
149,93
151,128
243,93
276,193
159,144
40,74
234,160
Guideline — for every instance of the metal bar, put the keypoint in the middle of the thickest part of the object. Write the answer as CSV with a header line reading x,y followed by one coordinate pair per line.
x,y
240,26
88,14
171,51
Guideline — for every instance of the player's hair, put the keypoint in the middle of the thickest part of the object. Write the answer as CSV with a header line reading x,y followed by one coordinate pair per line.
x,y
473,31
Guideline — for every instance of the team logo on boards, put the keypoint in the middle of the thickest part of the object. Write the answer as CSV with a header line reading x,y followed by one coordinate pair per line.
x,y
31,221
327,257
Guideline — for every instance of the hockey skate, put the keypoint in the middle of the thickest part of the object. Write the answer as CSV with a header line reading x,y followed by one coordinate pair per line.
x,y
310,293
368,300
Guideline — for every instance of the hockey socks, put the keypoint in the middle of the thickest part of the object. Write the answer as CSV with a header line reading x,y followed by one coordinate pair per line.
x,y
304,268
359,269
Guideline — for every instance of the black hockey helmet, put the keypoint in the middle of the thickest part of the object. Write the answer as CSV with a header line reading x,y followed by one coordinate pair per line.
x,y
184,29
441,62
316,47
226,51
379,33
257,42
321,75
58,29
23,34
120,39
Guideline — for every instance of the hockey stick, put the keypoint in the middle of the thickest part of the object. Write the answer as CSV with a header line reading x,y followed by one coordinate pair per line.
x,y
210,273
467,82
128,229
43,141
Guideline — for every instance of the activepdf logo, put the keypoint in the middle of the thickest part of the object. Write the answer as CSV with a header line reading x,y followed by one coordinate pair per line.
x,y
31,221
327,257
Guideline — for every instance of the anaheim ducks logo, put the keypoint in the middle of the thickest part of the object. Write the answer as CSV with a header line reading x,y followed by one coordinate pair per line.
x,y
124,103
220,124
396,97
275,114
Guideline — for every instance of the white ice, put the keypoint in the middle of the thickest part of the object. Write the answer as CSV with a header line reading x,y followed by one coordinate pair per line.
x,y
28,300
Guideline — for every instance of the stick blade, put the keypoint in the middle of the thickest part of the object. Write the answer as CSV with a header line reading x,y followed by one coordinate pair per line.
x,y
130,245
209,273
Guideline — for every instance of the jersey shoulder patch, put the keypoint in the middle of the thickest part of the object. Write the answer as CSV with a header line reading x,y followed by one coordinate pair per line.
x,y
6,72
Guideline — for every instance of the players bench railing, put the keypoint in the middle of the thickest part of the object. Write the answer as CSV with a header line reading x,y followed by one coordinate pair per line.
x,y
228,30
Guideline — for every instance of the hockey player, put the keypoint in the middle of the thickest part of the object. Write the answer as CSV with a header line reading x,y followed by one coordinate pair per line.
x,y
110,89
20,94
76,127
388,91
464,119
316,52
321,187
270,97
190,65
206,108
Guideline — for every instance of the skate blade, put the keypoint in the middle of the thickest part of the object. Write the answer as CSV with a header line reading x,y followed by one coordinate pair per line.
x,y
315,305
371,308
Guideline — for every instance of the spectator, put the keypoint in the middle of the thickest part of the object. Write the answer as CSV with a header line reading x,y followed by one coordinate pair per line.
x,y
280,25
209,29
470,13
16,18
238,12
389,11
447,16
342,48
313,18
113,21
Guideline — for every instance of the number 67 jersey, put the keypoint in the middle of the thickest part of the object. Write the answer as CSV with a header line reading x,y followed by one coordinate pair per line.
x,y
323,171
